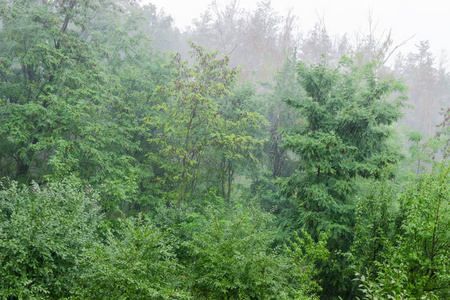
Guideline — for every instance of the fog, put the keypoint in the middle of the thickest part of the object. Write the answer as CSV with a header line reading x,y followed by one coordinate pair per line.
x,y
406,19
404,36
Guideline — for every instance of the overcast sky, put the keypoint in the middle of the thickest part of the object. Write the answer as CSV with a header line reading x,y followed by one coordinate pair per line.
x,y
427,20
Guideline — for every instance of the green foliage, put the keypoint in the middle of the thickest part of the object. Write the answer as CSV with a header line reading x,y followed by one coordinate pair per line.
x,y
136,261
375,230
305,254
423,246
73,101
241,137
346,113
416,264
342,136
443,133
416,148
44,233
51,84
423,152
390,284
96,115
229,257
375,225
190,123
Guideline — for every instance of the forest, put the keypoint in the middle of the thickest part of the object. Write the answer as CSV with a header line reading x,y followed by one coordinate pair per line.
x,y
237,159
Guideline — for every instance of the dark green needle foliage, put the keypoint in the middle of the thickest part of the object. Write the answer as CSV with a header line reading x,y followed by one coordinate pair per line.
x,y
341,135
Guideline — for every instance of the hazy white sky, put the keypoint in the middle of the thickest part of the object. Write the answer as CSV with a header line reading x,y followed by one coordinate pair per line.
x,y
427,20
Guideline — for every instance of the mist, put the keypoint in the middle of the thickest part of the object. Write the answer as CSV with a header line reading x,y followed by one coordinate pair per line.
x,y
223,150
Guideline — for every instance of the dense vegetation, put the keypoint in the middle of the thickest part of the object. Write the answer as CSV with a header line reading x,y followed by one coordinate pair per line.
x,y
272,168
